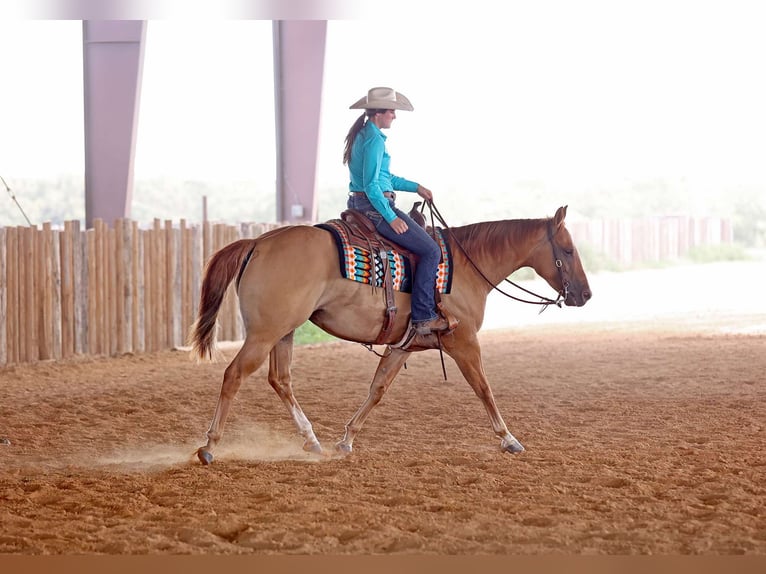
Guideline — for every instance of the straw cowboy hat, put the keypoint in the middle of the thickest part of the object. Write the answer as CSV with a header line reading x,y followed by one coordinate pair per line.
x,y
382,99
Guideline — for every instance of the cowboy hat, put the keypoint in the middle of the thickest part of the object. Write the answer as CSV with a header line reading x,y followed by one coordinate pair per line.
x,y
382,99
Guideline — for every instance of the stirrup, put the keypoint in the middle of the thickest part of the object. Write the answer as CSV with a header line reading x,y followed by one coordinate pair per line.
x,y
407,339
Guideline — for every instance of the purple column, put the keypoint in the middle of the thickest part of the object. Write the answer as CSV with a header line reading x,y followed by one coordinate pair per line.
x,y
113,52
299,48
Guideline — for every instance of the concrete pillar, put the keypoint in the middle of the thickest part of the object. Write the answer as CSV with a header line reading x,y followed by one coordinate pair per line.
x,y
113,53
299,48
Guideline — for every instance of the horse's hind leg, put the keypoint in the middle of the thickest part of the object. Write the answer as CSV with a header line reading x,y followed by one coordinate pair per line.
x,y
279,378
388,367
249,358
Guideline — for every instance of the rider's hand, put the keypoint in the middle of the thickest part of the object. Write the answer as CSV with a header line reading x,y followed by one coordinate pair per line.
x,y
425,193
398,225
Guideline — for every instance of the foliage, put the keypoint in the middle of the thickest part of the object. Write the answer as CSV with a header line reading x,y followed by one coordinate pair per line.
x,y
228,202
723,252
61,199
749,219
309,334
53,200
594,260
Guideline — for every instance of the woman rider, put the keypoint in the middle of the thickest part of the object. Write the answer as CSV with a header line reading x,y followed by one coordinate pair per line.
x,y
371,191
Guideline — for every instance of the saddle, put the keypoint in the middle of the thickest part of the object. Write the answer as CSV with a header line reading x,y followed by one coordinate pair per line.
x,y
361,233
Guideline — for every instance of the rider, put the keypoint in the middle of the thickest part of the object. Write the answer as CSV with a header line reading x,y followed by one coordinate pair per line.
x,y
371,191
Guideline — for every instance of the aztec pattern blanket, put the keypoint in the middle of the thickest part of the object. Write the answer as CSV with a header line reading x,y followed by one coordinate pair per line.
x,y
358,264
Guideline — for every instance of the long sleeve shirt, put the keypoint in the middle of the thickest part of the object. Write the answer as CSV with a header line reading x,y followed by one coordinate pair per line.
x,y
369,170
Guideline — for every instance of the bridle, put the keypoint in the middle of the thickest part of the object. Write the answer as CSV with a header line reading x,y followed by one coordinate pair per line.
x,y
559,263
557,260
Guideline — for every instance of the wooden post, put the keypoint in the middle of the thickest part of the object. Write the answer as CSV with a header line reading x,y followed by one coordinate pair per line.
x,y
171,276
30,296
45,311
112,289
185,266
3,299
12,302
149,287
67,298
118,293
196,270
90,245
83,292
56,294
178,332
123,291
21,294
207,241
100,288
137,258
78,293
126,256
159,290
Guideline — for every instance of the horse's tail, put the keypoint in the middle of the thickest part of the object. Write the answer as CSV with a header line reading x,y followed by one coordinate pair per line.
x,y
220,270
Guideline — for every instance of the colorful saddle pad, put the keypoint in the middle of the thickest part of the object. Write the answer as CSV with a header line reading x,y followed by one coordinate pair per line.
x,y
358,264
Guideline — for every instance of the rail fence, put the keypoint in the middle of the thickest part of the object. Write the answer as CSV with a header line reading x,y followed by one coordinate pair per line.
x,y
107,291
122,289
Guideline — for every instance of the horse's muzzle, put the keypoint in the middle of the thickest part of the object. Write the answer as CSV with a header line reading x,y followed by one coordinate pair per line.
x,y
578,298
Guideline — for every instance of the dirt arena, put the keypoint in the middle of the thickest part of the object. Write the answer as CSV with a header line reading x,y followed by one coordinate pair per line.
x,y
642,437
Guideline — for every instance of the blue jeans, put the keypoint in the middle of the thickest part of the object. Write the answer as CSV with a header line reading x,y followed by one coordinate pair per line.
x,y
417,240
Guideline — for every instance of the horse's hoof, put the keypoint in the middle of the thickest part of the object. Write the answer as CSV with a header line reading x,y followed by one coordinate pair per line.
x,y
313,447
205,456
343,449
513,447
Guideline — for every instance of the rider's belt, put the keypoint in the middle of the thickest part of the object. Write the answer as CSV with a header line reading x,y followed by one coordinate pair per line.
x,y
388,194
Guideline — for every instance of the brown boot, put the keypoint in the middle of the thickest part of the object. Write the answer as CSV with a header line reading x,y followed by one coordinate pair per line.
x,y
431,326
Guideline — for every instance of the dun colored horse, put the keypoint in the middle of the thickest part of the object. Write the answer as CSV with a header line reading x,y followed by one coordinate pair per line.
x,y
291,275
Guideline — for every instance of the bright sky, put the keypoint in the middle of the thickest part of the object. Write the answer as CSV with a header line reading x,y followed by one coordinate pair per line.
x,y
557,91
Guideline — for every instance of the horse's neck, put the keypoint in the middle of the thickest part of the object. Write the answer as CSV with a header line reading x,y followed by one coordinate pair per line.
x,y
498,248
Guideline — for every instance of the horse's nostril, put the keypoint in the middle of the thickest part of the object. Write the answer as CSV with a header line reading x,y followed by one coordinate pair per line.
x,y
586,295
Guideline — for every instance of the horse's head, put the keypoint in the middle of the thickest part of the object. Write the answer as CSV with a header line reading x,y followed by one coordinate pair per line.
x,y
558,262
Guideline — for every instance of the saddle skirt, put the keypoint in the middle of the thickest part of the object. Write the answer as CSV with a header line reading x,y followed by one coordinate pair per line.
x,y
362,262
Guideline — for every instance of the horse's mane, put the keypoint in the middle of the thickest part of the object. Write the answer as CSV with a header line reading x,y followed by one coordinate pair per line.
x,y
493,239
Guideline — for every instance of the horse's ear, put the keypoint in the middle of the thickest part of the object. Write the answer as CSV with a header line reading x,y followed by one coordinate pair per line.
x,y
561,213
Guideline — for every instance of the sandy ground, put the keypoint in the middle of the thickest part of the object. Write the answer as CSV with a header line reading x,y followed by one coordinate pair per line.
x,y
645,434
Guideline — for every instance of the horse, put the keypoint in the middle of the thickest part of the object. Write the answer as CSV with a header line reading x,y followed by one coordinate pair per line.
x,y
291,275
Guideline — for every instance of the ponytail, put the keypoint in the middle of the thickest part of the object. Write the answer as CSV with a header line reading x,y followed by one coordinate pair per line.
x,y
355,129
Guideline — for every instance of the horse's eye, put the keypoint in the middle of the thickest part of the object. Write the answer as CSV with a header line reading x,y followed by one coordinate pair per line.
x,y
569,251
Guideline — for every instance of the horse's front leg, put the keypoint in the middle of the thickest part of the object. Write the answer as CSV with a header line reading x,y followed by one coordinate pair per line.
x,y
280,380
467,356
388,367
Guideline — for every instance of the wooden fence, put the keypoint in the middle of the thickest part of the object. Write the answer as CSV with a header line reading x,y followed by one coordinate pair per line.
x,y
107,291
651,239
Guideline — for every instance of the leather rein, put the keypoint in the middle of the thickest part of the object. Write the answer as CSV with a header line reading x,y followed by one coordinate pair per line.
x,y
544,301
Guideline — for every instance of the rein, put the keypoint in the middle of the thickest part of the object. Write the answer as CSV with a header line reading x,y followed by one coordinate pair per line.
x,y
544,301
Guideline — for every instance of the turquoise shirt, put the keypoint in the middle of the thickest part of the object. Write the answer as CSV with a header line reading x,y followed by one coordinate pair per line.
x,y
369,170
